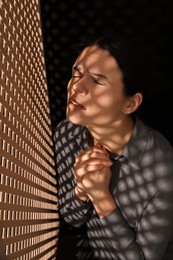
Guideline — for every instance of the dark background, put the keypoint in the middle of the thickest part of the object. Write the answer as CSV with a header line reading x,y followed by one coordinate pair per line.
x,y
149,22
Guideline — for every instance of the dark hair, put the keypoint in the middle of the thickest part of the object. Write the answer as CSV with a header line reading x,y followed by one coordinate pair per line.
x,y
131,57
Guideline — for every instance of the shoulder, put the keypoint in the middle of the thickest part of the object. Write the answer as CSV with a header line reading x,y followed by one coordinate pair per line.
x,y
154,140
67,130
157,159
158,143
147,145
150,149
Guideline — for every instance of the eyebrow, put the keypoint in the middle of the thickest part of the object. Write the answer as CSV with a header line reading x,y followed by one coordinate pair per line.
x,y
76,68
91,72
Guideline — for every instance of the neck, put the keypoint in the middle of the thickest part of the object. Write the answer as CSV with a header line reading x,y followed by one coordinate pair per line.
x,y
113,137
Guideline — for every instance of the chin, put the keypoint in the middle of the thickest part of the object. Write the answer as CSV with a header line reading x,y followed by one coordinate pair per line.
x,y
75,119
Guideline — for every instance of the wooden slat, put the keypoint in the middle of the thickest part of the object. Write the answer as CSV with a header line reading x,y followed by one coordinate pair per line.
x,y
29,219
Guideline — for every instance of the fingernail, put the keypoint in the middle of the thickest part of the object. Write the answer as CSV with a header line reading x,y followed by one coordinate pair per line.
x,y
109,163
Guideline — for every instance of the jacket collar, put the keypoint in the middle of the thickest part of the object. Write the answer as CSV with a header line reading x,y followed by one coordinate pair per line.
x,y
134,149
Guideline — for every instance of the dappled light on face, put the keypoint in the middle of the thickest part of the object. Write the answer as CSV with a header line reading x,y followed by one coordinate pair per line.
x,y
96,85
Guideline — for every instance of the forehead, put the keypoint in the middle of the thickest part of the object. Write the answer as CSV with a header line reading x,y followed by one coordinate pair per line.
x,y
93,52
93,56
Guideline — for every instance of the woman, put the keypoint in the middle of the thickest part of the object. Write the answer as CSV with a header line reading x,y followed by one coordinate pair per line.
x,y
115,173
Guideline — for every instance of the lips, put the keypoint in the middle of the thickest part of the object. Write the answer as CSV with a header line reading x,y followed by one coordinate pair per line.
x,y
76,103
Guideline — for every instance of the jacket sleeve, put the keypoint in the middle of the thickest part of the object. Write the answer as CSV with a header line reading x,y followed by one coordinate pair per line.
x,y
74,211
150,238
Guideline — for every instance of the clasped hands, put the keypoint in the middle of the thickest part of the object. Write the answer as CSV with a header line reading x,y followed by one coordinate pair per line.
x,y
92,174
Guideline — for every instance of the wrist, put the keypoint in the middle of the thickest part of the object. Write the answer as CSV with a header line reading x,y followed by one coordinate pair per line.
x,y
104,206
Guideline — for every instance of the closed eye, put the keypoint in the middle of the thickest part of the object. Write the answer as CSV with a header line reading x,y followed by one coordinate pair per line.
x,y
98,81
76,76
76,72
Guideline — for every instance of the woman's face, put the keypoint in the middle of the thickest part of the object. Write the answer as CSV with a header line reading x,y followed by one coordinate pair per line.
x,y
95,90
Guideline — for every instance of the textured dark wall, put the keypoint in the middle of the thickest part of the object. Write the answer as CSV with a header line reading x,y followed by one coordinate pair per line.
x,y
148,22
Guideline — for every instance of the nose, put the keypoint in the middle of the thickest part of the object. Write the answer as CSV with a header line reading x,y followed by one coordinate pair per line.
x,y
80,87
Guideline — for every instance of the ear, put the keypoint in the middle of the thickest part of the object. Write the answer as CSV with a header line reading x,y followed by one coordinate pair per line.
x,y
133,103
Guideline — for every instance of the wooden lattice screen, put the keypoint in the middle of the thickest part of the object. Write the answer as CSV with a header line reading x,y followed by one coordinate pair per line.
x,y
28,201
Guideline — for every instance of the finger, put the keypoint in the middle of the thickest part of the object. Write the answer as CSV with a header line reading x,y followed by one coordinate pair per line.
x,y
81,169
80,186
96,148
92,161
92,152
95,167
79,173
96,155
100,148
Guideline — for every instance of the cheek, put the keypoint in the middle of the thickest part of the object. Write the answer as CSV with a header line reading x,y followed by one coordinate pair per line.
x,y
108,105
108,101
69,88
